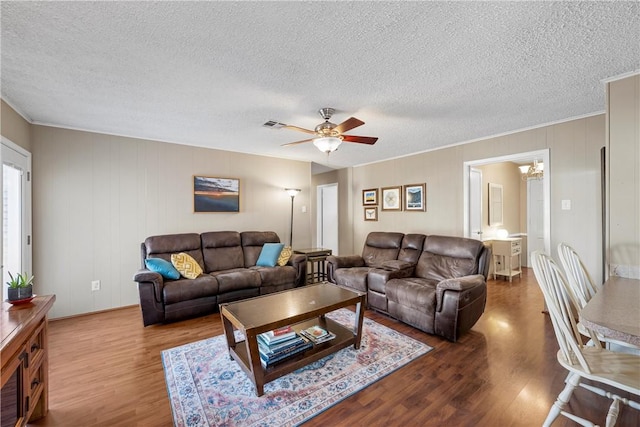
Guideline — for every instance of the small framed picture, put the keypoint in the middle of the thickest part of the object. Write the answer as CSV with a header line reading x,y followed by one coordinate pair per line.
x,y
371,214
415,197
392,199
370,197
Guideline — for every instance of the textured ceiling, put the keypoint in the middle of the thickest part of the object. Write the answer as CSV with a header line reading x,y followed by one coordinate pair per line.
x,y
421,75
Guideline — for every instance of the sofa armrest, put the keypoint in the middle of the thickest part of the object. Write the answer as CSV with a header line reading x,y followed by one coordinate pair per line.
x,y
298,261
335,262
345,261
396,264
155,279
458,284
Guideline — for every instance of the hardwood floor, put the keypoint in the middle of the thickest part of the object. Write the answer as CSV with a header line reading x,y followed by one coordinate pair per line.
x,y
105,370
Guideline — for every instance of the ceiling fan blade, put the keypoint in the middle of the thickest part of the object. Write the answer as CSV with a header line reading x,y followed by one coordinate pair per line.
x,y
299,129
296,142
348,124
360,139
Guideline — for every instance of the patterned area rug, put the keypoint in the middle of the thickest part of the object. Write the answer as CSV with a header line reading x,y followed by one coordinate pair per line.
x,y
207,388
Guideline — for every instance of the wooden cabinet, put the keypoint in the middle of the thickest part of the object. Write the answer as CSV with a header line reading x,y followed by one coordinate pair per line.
x,y
506,257
24,361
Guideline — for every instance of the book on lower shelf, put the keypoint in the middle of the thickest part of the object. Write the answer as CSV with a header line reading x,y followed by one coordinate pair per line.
x,y
278,335
318,335
272,354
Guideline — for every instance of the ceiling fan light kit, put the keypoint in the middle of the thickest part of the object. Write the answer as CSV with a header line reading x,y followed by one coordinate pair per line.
x,y
329,136
327,144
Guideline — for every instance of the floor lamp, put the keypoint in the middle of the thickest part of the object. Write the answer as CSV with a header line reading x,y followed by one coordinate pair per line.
x,y
292,192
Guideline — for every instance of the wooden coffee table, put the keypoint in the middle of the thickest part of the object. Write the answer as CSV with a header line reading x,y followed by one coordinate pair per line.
x,y
301,308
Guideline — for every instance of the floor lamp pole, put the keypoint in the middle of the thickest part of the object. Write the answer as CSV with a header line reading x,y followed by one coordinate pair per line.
x,y
292,192
291,224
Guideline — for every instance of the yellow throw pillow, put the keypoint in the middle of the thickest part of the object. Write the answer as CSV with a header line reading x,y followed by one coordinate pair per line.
x,y
284,256
186,265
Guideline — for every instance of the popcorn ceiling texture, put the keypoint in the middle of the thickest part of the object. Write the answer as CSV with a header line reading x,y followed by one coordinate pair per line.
x,y
420,74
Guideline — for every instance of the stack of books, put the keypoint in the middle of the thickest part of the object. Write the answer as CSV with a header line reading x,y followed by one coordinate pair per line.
x,y
318,335
280,344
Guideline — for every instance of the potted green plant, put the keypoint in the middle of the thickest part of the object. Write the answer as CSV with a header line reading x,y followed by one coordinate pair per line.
x,y
20,287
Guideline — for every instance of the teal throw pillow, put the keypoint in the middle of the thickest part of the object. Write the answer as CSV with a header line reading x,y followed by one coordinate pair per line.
x,y
269,254
165,268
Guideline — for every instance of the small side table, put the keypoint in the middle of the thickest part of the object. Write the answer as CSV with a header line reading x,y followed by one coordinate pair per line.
x,y
316,258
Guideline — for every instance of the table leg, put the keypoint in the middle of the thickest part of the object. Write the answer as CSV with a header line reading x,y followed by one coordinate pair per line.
x,y
251,342
359,320
228,333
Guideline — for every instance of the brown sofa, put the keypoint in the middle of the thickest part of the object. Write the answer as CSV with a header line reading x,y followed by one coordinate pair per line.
x,y
434,283
228,260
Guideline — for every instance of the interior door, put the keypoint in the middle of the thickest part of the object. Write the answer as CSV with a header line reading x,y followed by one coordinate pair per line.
x,y
535,217
475,204
16,211
327,235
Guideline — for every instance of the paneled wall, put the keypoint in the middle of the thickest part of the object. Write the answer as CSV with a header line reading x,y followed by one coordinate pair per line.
x,y
14,127
623,156
574,171
97,197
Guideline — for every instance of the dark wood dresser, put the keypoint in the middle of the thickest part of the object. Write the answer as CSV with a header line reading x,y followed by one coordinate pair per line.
x,y
24,361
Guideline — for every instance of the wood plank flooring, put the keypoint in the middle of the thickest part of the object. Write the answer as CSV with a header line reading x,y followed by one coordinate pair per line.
x,y
106,370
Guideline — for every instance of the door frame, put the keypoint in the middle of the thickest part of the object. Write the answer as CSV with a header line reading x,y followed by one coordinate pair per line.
x,y
320,216
525,156
27,253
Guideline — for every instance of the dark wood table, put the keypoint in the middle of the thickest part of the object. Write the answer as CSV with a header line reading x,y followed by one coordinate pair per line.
x,y
301,308
614,311
316,258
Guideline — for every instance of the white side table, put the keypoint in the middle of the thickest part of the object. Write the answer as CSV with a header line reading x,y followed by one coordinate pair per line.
x,y
504,253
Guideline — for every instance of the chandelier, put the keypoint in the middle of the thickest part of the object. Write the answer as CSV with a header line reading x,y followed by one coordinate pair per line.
x,y
533,171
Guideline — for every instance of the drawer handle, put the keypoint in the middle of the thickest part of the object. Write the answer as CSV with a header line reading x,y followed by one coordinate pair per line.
x,y
35,383
34,347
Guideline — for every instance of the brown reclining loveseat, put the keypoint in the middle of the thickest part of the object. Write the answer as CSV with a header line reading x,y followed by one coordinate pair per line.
x,y
434,283
228,260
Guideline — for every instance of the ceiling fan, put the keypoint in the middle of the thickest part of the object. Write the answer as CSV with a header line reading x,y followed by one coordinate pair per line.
x,y
327,136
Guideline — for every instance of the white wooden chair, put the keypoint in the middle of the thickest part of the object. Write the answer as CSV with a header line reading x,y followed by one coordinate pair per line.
x,y
619,370
577,273
584,288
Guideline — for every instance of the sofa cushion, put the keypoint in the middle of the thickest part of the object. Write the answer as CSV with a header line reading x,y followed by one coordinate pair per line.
x,y
411,248
162,266
186,265
354,277
285,255
166,245
413,292
446,257
269,254
221,250
277,276
189,289
252,242
237,279
380,247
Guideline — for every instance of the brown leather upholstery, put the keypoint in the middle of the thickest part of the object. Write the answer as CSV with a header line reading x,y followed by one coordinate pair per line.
x,y
228,260
352,271
436,283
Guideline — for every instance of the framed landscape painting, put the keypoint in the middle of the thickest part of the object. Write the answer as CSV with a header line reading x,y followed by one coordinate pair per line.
x,y
211,194
370,197
415,197
392,199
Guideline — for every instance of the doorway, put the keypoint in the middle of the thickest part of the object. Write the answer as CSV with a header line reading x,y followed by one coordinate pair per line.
x,y
16,211
327,217
470,188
